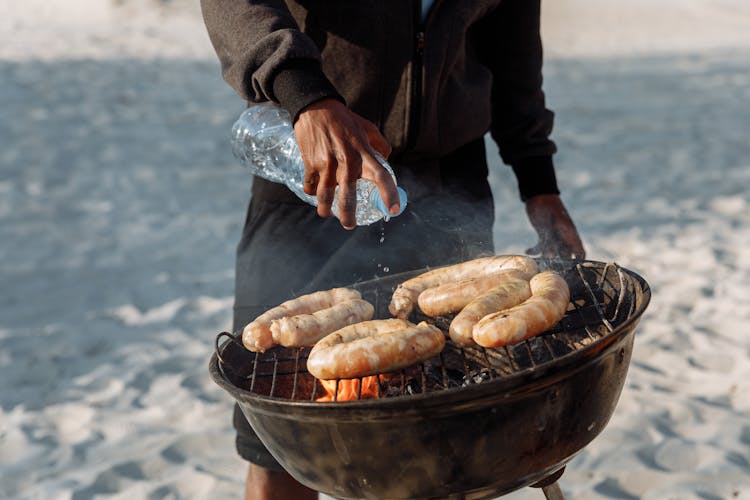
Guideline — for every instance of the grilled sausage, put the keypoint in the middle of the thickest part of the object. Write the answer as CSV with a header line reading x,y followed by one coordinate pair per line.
x,y
549,300
374,347
257,336
406,294
508,294
453,297
306,329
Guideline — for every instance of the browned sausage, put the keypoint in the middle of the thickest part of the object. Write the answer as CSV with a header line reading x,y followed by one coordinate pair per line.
x,y
549,300
374,347
257,336
406,294
506,295
306,329
453,297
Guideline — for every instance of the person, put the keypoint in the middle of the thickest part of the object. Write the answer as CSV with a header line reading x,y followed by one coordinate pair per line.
x,y
420,83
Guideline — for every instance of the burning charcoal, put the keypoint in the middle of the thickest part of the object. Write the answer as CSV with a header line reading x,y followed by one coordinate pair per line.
x,y
433,372
410,387
413,387
394,391
454,377
443,376
477,377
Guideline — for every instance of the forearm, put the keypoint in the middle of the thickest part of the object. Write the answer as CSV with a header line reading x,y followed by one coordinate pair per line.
x,y
535,176
264,56
521,123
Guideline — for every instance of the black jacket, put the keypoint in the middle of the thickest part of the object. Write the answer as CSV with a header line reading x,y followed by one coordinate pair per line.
x,y
471,67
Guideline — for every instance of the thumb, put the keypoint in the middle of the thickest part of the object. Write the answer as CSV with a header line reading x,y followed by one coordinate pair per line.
x,y
377,141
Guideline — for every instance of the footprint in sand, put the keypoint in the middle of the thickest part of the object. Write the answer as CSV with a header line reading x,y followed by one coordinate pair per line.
x,y
676,455
187,447
110,481
745,435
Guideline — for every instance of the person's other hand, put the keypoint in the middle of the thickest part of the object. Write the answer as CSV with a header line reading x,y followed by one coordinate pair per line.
x,y
558,236
337,147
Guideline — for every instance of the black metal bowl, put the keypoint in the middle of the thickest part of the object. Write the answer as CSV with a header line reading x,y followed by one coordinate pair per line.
x,y
477,441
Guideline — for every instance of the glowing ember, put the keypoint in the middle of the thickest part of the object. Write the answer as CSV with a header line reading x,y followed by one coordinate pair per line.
x,y
350,389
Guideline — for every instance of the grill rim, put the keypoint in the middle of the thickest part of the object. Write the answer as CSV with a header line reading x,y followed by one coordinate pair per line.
x,y
451,399
448,401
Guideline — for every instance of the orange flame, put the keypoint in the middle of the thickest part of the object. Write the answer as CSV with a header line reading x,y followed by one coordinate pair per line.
x,y
349,390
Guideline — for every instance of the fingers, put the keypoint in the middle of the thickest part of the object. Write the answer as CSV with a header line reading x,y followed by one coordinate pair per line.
x,y
350,169
347,198
374,171
323,179
310,185
380,144
573,245
558,236
568,242
560,244
325,192
557,249
336,144
342,173
376,139
547,248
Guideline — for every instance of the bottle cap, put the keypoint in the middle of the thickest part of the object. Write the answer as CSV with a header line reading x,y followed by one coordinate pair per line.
x,y
380,205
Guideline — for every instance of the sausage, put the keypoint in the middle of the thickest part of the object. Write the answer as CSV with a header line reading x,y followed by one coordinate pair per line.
x,y
508,294
549,300
453,297
306,329
407,293
257,336
374,347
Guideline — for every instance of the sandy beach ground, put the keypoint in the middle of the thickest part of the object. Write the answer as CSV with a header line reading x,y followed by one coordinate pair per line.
x,y
121,205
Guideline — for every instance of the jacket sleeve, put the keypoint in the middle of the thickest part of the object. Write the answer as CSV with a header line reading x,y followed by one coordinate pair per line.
x,y
264,55
510,44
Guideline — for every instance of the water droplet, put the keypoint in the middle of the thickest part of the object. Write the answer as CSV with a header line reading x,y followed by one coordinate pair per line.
x,y
382,239
386,269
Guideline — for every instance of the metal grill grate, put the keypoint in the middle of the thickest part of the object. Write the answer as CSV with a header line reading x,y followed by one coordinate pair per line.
x,y
601,296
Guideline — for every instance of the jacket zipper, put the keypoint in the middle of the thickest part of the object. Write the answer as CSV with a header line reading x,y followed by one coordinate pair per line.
x,y
415,110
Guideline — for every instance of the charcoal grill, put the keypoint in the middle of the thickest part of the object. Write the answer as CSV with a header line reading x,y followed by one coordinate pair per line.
x,y
470,423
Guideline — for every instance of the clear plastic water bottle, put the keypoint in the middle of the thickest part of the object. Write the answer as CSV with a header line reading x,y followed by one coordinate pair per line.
x,y
263,140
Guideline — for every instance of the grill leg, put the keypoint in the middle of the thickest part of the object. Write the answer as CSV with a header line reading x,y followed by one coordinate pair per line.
x,y
549,486
553,492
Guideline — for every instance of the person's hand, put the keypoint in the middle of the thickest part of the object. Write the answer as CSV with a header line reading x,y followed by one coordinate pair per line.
x,y
558,236
337,147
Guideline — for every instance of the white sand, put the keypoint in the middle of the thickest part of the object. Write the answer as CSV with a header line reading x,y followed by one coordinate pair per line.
x,y
591,28
120,206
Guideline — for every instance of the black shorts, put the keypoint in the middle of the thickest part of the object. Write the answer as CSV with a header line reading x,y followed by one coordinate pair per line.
x,y
286,250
